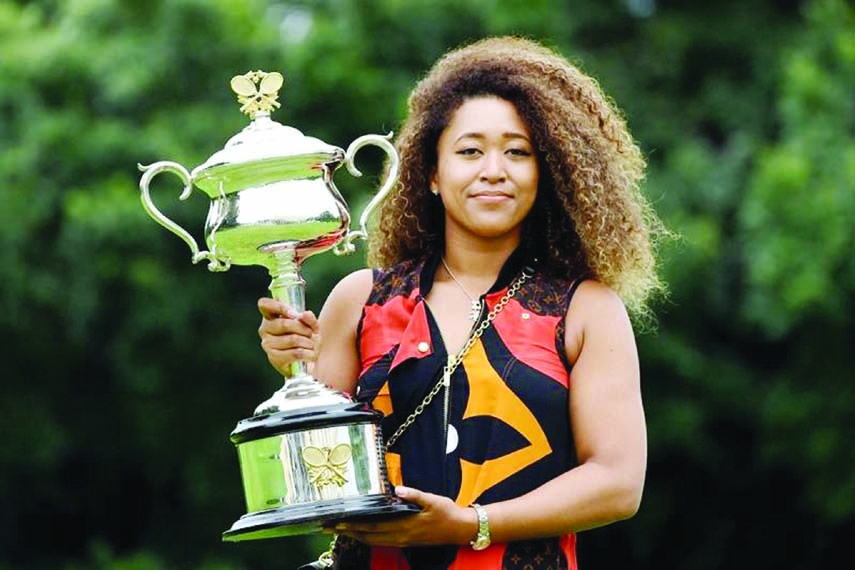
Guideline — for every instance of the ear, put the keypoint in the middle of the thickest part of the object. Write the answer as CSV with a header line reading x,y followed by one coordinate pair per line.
x,y
434,185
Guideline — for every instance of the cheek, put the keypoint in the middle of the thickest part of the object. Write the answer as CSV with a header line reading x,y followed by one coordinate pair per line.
x,y
531,191
529,204
450,175
530,181
535,175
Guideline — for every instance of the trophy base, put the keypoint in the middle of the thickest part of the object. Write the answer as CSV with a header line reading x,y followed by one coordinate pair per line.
x,y
306,468
311,518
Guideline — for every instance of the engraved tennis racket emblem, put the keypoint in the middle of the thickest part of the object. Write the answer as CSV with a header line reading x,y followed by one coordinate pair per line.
x,y
327,465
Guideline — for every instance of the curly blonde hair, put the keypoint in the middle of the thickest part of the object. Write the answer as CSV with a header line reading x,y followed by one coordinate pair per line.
x,y
590,218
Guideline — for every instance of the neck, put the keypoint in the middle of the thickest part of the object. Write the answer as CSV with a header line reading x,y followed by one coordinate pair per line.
x,y
478,260
475,268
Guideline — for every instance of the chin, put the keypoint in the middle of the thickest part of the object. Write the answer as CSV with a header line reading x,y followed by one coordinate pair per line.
x,y
494,231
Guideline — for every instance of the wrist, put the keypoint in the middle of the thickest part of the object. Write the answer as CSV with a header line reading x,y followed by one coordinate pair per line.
x,y
481,538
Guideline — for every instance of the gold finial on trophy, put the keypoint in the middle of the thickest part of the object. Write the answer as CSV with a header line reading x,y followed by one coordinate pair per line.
x,y
257,91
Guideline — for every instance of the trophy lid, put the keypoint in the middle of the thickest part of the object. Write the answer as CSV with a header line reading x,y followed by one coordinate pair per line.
x,y
264,139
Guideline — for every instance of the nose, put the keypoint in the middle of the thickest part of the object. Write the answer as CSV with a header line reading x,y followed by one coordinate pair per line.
x,y
493,167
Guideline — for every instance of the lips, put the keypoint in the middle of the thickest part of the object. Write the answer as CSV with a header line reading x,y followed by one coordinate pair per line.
x,y
491,194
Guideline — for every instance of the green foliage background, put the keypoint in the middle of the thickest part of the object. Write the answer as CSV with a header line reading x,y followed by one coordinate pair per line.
x,y
124,367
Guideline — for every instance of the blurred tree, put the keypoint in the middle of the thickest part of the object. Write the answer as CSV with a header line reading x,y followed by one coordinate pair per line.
x,y
749,378
121,387
797,224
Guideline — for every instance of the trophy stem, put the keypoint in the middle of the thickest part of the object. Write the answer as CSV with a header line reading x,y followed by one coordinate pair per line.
x,y
301,389
287,285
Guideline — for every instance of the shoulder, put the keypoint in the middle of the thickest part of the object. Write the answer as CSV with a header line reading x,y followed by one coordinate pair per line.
x,y
594,296
352,288
366,286
595,309
342,309
596,305
399,279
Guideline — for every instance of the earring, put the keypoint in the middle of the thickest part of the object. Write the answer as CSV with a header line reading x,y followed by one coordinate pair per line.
x,y
434,191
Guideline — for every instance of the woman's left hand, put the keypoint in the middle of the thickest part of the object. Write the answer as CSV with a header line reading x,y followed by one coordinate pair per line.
x,y
441,521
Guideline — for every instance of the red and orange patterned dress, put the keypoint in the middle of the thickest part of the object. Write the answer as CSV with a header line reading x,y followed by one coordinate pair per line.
x,y
503,428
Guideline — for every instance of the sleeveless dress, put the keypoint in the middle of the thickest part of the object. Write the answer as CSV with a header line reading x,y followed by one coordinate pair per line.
x,y
501,430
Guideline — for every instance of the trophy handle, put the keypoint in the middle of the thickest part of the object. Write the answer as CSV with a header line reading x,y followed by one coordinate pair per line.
x,y
346,246
150,172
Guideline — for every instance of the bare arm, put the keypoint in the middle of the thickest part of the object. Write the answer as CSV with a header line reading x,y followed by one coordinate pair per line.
x,y
337,364
608,423
607,417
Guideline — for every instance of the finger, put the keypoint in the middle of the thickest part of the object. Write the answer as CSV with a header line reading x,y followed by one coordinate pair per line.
x,y
309,319
272,309
282,326
415,496
285,342
282,359
368,537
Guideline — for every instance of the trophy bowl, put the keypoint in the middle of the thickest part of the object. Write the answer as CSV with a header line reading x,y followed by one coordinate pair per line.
x,y
308,455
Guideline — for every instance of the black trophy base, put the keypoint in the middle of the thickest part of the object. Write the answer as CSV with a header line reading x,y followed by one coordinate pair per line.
x,y
311,517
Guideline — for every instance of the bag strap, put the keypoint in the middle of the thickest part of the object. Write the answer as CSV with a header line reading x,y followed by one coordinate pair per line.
x,y
453,363
325,560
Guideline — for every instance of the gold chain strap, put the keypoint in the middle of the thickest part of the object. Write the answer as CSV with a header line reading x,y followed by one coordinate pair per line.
x,y
326,559
458,358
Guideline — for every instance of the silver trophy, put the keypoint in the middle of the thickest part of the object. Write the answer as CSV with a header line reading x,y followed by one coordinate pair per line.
x,y
308,455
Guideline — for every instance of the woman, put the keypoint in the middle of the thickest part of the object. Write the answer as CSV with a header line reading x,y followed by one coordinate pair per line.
x,y
494,332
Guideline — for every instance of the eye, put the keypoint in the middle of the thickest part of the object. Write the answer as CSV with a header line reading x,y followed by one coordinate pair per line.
x,y
519,152
469,151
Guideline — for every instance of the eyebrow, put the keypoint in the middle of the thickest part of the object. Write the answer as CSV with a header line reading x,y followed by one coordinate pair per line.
x,y
506,135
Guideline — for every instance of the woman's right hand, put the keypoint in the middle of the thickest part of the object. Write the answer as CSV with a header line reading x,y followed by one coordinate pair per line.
x,y
287,336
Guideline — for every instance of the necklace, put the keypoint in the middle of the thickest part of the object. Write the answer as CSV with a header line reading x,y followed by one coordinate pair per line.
x,y
475,308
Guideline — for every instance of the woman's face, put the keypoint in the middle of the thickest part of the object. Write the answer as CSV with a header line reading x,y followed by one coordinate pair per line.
x,y
486,171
